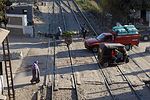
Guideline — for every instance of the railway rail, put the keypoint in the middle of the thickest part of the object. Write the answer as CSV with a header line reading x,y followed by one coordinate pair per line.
x,y
54,45
105,79
75,88
49,80
139,66
129,83
89,24
73,73
62,14
74,14
53,71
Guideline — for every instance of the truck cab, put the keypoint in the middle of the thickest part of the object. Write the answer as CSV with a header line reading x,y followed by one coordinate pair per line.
x,y
93,43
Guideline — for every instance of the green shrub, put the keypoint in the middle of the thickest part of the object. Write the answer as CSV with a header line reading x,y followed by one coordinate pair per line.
x,y
87,6
68,33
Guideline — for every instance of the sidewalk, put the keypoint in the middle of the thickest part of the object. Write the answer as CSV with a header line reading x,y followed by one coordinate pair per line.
x,y
37,49
32,49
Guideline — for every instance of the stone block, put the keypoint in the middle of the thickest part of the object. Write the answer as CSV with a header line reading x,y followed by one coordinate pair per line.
x,y
147,49
13,55
16,55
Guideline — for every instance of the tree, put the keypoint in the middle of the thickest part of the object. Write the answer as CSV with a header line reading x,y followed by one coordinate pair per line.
x,y
4,4
1,9
67,35
121,9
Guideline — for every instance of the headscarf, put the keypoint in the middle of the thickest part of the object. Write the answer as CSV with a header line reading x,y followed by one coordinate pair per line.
x,y
35,65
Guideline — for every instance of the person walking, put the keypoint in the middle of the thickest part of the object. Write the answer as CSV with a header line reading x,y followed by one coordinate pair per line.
x,y
59,33
83,31
35,73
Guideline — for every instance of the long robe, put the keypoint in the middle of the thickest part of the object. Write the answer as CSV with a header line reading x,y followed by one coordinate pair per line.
x,y
35,73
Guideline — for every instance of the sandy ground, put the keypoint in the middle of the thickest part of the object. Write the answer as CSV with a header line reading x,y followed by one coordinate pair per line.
x,y
90,83
32,49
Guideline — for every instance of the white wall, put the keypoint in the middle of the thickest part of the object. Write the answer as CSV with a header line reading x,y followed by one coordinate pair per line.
x,y
23,18
1,84
18,25
147,15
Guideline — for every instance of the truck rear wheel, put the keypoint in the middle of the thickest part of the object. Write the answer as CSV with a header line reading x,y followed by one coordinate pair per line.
x,y
128,47
145,38
106,64
95,49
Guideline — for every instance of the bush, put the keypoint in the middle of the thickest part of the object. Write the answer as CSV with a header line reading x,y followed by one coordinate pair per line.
x,y
87,6
68,33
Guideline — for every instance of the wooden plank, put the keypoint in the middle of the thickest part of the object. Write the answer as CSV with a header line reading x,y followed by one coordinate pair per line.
x,y
3,34
2,97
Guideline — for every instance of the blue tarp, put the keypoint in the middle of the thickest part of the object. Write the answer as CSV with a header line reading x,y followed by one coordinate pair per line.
x,y
125,30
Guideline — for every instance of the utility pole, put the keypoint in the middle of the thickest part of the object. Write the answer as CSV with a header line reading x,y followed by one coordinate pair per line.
x,y
6,53
149,18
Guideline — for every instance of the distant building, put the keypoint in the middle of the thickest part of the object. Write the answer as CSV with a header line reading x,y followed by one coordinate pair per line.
x,y
23,9
26,1
144,16
147,15
17,25
20,17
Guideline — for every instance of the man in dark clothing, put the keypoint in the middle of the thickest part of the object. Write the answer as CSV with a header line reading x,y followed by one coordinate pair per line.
x,y
83,31
59,33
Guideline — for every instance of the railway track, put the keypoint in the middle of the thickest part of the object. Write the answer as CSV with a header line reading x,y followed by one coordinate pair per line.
x,y
128,81
90,26
139,94
87,21
48,86
62,11
135,80
142,69
106,81
62,78
91,82
114,91
73,77
74,14
105,78
53,71
54,82
74,84
73,73
139,65
74,80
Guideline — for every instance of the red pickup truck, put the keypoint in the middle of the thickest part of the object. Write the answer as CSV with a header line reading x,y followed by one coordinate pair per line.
x,y
127,35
